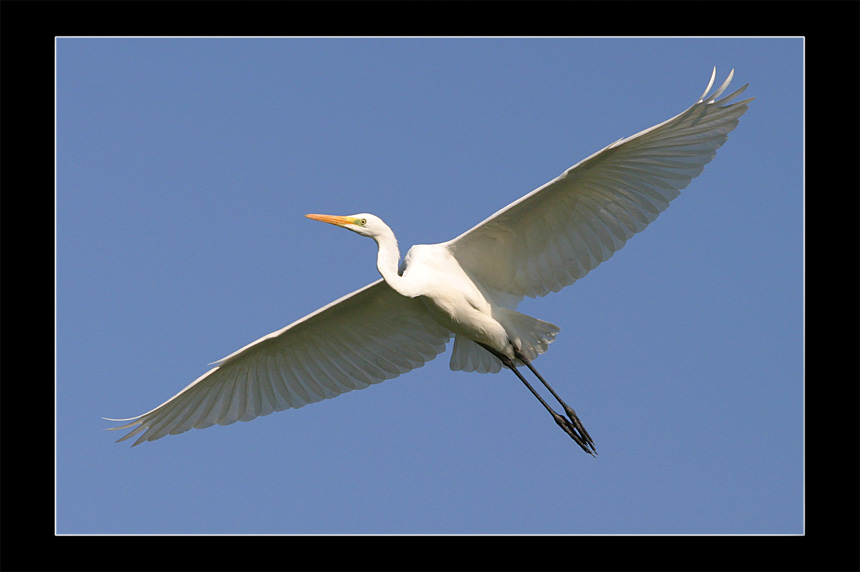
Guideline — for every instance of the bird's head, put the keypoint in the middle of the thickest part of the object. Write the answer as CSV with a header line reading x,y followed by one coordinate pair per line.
x,y
363,223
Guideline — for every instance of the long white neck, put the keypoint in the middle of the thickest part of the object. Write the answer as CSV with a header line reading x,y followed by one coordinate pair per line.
x,y
388,262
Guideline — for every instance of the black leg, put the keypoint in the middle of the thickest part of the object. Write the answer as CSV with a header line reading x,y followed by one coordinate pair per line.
x,y
571,414
570,427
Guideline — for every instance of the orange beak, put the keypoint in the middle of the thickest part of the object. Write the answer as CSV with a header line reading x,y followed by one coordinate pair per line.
x,y
331,219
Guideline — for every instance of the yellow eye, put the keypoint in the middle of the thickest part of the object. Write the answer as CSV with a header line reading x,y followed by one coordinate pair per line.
x,y
362,221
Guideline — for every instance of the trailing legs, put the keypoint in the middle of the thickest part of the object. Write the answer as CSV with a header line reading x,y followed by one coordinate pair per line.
x,y
571,425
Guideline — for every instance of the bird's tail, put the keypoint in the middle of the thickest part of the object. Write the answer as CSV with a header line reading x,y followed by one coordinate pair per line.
x,y
532,337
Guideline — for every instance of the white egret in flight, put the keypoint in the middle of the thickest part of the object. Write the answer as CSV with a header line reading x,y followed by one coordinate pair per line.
x,y
467,287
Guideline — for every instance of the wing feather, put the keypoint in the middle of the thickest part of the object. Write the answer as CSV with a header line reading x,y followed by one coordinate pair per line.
x,y
368,336
559,232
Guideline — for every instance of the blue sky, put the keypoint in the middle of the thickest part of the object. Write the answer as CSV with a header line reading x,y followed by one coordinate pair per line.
x,y
184,169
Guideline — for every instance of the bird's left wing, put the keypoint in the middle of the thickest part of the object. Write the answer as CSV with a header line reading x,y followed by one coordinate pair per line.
x,y
368,336
556,234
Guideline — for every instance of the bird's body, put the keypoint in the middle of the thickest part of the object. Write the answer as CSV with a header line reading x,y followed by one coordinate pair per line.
x,y
467,287
432,275
454,301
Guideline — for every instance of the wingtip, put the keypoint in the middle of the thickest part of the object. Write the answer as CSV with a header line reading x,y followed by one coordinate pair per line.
x,y
705,98
133,420
710,84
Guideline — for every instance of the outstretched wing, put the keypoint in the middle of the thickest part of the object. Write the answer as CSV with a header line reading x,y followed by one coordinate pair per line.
x,y
365,337
559,232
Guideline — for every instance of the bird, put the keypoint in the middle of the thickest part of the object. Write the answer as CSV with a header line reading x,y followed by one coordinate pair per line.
x,y
467,288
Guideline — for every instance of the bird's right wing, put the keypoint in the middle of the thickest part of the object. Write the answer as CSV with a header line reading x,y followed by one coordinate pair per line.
x,y
365,337
556,234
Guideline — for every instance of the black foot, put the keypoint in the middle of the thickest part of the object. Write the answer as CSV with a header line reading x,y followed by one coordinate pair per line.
x,y
571,429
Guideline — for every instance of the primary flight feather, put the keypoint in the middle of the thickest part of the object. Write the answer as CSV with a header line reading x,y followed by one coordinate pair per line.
x,y
467,287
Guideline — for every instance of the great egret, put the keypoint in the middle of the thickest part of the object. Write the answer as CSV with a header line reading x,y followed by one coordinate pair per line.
x,y
467,287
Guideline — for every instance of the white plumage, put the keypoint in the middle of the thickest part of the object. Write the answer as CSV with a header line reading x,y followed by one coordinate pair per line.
x,y
467,287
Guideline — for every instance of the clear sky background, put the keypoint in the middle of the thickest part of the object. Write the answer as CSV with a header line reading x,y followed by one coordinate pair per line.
x,y
185,167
